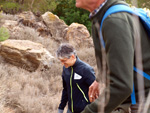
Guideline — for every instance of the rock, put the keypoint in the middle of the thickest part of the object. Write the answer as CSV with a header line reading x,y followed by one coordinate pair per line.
x,y
10,24
29,19
25,54
55,25
13,27
78,34
27,15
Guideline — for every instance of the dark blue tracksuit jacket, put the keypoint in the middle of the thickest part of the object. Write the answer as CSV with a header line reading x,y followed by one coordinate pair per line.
x,y
76,82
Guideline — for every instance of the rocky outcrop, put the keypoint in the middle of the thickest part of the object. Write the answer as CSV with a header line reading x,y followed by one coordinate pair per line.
x,y
26,19
26,26
10,25
34,21
48,25
57,26
27,15
25,54
79,35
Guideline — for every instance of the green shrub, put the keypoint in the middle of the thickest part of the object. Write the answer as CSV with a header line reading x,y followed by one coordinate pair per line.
x,y
4,33
139,3
68,12
40,6
10,7
0,10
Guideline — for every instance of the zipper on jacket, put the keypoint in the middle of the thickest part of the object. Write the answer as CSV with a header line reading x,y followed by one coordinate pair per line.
x,y
82,92
71,89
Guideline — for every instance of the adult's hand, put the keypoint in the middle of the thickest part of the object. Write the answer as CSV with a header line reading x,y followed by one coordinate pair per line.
x,y
93,91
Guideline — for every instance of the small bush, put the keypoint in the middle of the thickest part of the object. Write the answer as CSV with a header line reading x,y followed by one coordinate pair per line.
x,y
8,17
4,33
67,11
10,7
0,11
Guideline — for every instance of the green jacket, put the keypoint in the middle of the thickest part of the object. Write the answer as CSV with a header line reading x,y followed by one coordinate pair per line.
x,y
118,34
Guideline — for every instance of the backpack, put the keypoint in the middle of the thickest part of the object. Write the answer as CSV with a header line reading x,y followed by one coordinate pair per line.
x,y
144,18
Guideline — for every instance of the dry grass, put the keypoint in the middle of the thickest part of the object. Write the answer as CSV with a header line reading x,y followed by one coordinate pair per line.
x,y
25,92
9,17
36,92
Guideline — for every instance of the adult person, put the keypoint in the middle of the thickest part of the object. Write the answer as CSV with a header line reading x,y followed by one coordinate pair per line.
x,y
118,33
77,76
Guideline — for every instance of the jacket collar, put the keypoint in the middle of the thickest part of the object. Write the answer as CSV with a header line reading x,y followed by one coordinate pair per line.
x,y
97,9
77,62
102,11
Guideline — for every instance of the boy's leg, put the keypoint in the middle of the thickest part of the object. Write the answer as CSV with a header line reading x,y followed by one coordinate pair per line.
x,y
68,111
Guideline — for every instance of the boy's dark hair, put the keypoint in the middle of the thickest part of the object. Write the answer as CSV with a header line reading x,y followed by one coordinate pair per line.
x,y
65,50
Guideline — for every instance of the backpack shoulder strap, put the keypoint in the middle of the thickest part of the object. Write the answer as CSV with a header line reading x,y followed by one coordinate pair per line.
x,y
117,8
142,73
124,8
111,10
145,20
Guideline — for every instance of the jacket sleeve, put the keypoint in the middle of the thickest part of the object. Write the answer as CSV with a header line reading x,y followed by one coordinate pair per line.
x,y
64,97
90,75
118,37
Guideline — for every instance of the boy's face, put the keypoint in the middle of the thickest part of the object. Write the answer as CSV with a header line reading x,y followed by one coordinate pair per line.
x,y
67,62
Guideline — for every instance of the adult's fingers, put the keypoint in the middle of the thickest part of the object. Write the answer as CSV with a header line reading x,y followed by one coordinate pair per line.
x,y
91,93
92,98
91,90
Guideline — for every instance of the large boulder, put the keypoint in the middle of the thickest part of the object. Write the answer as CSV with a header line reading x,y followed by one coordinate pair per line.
x,y
26,20
79,35
29,19
25,54
56,25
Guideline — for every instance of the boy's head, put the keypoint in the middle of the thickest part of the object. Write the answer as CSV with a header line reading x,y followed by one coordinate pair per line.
x,y
66,54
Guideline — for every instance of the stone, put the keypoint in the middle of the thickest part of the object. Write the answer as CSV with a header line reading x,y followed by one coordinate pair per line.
x,y
55,25
79,35
26,54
